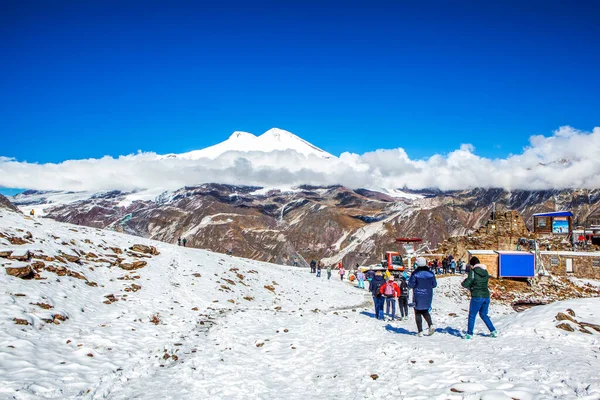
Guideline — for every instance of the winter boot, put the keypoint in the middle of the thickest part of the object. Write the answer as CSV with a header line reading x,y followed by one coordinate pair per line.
x,y
420,334
431,330
494,334
468,337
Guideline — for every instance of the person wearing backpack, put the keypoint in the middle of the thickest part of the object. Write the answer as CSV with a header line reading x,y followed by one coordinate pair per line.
x,y
390,291
422,281
403,299
378,298
477,283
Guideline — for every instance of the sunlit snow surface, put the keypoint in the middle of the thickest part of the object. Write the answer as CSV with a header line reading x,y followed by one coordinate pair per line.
x,y
309,338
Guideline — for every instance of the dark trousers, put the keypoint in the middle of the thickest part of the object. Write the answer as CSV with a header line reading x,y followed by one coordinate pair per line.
x,y
419,321
403,305
379,303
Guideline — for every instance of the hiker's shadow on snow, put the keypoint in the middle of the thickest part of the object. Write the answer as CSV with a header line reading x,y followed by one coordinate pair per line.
x,y
368,314
450,331
396,329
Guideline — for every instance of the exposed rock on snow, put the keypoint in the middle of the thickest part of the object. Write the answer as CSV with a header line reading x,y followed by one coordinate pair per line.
x,y
23,272
144,249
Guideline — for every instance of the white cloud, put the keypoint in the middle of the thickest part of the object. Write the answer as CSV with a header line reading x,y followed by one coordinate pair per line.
x,y
569,158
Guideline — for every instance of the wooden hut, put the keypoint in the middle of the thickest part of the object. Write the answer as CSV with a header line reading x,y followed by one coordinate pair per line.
x,y
553,223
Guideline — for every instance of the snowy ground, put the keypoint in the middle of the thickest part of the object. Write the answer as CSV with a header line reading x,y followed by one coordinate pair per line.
x,y
297,338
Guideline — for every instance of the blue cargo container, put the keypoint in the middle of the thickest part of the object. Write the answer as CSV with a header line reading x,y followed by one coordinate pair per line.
x,y
516,264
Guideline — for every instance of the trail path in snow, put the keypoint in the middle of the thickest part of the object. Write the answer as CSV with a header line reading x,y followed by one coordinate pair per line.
x,y
331,354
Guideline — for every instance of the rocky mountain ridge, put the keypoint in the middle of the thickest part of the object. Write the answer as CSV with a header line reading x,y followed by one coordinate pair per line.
x,y
332,223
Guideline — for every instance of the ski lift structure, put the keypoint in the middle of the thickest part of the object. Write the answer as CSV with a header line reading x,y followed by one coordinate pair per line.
x,y
413,247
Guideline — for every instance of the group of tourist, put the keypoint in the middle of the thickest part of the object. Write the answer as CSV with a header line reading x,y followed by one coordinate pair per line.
x,y
317,267
448,265
422,281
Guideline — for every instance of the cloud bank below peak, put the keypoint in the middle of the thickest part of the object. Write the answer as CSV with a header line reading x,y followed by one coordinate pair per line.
x,y
570,158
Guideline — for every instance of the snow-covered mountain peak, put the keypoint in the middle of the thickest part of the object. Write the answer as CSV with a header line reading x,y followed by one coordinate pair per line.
x,y
274,139
279,134
241,135
280,139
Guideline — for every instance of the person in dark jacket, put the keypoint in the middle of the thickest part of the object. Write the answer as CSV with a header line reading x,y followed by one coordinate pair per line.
x,y
422,281
313,266
477,283
403,299
378,299
184,241
370,275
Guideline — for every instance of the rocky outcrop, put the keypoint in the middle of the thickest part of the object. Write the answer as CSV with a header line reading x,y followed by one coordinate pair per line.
x,y
133,265
24,272
140,248
6,204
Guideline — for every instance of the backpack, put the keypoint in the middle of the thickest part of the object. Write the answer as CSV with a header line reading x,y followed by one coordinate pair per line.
x,y
375,286
389,290
403,288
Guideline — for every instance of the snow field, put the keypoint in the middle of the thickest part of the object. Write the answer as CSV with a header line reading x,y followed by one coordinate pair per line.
x,y
295,336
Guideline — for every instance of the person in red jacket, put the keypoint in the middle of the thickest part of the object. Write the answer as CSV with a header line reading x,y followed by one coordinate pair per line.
x,y
391,291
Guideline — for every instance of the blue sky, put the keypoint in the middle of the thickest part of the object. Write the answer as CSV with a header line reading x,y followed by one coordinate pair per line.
x,y
87,79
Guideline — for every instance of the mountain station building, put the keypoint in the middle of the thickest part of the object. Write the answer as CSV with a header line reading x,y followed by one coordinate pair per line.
x,y
553,223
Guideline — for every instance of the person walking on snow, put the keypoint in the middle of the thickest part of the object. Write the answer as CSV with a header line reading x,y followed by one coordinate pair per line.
x,y
422,281
390,291
313,266
328,272
319,271
342,271
403,299
184,241
360,276
378,299
477,283
179,242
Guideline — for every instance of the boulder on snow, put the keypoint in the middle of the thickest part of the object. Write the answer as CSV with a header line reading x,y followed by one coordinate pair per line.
x,y
5,252
140,248
70,257
25,272
565,327
16,240
564,317
20,255
133,266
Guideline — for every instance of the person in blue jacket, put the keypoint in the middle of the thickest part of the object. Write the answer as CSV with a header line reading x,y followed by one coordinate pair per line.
x,y
378,298
422,281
